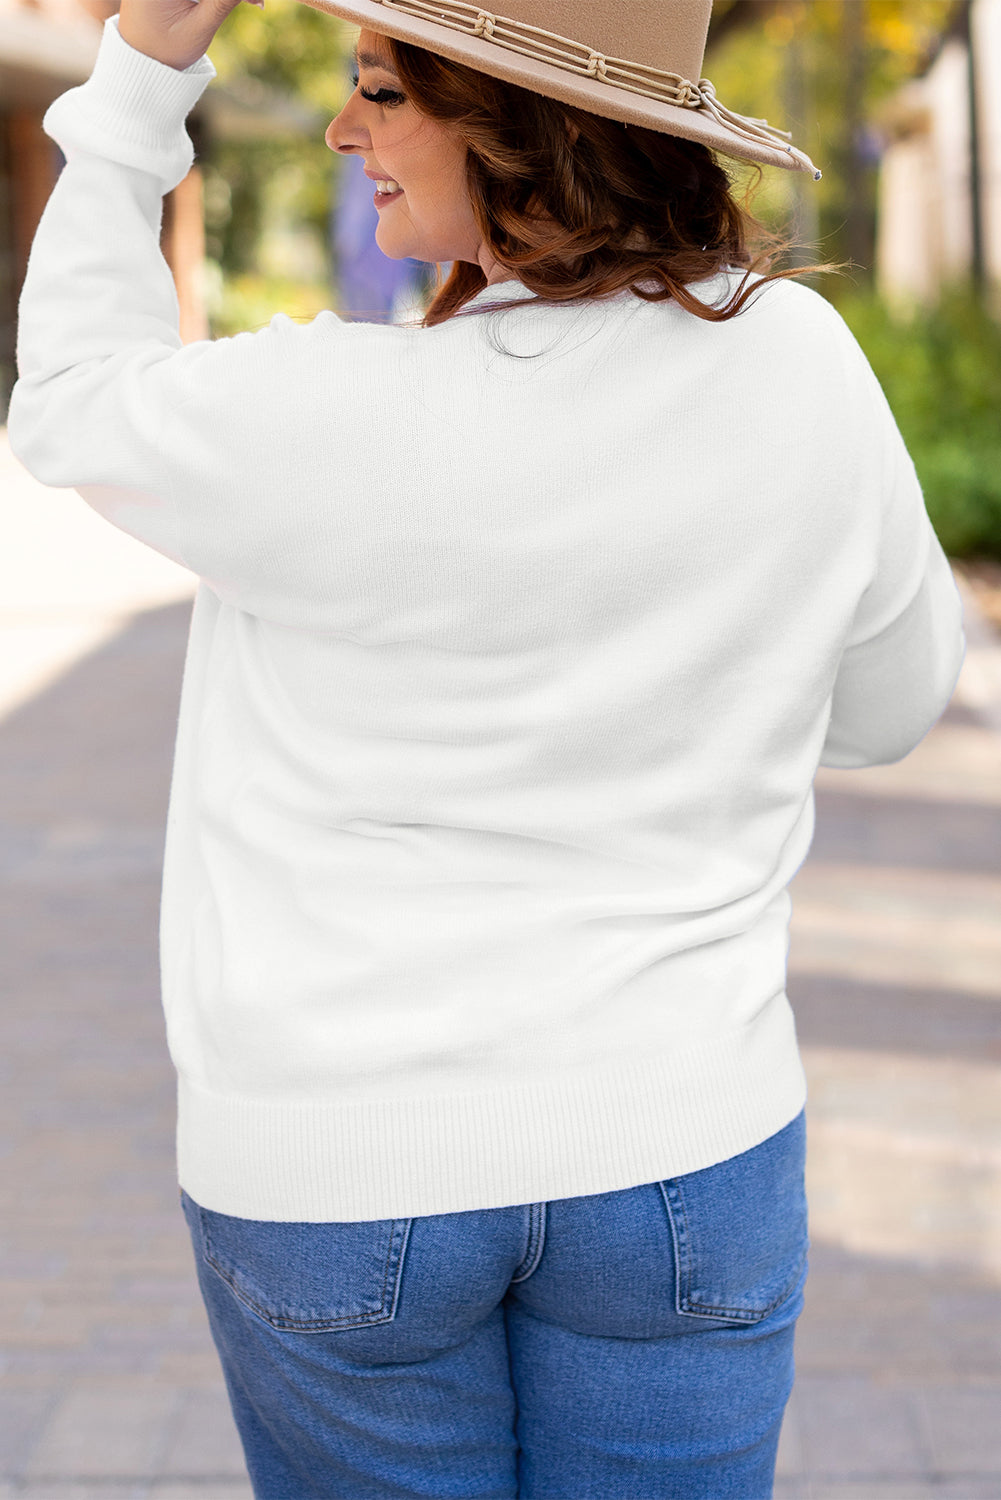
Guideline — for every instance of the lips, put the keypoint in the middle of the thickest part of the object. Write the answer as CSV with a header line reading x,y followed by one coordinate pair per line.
x,y
386,189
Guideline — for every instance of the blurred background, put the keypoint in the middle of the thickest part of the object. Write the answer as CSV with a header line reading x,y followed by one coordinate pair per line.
x,y
108,1381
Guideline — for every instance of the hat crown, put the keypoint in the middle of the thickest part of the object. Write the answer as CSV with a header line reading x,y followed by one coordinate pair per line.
x,y
669,35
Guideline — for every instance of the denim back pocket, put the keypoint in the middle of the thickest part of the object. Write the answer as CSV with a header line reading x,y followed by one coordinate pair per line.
x,y
308,1278
740,1231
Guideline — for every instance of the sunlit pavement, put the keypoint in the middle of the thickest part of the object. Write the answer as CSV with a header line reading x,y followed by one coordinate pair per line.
x,y
109,1387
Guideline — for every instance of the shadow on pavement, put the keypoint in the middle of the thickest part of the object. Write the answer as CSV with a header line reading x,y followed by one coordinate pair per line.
x,y
833,1011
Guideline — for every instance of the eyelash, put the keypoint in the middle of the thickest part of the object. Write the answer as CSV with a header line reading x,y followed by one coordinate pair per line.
x,y
385,96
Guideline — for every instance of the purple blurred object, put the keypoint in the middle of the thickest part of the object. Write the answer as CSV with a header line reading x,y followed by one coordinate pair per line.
x,y
369,282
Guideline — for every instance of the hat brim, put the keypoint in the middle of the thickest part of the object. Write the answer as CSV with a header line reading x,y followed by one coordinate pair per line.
x,y
544,78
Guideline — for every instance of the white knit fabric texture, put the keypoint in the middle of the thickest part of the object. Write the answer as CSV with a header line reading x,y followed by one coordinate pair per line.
x,y
507,683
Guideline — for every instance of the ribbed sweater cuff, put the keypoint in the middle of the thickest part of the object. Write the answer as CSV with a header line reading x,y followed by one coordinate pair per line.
x,y
131,110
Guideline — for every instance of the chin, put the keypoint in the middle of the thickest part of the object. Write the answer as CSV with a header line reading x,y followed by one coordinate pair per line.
x,y
392,249
399,246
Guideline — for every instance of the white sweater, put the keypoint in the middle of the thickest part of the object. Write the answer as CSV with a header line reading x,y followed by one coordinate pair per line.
x,y
507,683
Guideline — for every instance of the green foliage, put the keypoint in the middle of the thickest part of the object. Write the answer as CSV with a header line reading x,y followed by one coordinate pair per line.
x,y
823,69
253,183
294,48
247,303
252,186
941,371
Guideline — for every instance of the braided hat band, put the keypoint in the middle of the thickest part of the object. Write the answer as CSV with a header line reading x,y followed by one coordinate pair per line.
x,y
593,79
575,57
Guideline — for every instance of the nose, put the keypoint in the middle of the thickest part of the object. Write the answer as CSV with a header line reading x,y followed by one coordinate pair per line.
x,y
345,133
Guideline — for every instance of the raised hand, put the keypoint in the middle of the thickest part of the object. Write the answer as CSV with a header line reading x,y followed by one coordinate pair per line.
x,y
175,32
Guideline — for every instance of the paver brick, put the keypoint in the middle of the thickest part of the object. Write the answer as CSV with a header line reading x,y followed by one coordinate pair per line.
x,y
196,1489
790,1460
69,1489
23,1411
963,1427
973,1487
204,1439
851,1426
103,1429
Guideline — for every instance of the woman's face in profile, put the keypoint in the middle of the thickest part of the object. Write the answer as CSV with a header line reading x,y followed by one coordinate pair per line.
x,y
430,218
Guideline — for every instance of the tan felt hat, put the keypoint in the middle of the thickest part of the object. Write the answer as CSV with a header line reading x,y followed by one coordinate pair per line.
x,y
638,61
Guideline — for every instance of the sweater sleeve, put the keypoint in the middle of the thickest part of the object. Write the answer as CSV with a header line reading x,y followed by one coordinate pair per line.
x,y
100,358
906,645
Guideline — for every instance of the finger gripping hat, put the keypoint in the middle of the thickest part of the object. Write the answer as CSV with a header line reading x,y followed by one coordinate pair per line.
x,y
638,61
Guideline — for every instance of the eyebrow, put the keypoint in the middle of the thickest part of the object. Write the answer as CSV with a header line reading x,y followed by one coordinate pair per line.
x,y
373,60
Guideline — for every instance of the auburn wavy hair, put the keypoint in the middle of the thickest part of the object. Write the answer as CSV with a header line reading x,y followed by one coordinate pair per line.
x,y
576,205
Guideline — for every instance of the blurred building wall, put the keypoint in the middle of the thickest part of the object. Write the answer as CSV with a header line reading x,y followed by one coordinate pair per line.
x,y
925,236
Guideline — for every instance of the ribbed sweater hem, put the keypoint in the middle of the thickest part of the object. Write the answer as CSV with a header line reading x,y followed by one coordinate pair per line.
x,y
564,1136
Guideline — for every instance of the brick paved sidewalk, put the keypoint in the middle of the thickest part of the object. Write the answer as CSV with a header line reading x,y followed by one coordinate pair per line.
x,y
895,977
109,1386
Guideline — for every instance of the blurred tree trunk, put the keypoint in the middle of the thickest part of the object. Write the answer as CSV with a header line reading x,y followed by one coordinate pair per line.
x,y
977,258
805,227
860,228
728,18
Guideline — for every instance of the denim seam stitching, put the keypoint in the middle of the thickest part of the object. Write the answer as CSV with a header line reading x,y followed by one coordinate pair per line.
x,y
684,1302
403,1234
680,1236
536,1241
310,1325
745,1315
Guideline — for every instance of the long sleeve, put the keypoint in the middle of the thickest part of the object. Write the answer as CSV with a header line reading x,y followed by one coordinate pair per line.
x,y
98,338
223,454
893,687
906,646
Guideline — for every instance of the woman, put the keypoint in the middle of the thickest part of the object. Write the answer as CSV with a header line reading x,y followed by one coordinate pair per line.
x,y
519,638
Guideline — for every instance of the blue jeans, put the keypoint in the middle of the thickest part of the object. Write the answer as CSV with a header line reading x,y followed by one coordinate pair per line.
x,y
628,1344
